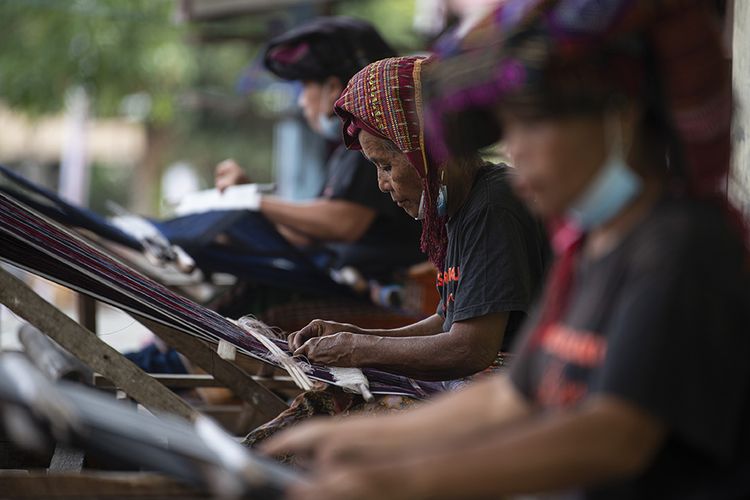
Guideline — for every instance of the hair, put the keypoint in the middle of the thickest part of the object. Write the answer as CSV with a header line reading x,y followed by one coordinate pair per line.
x,y
581,90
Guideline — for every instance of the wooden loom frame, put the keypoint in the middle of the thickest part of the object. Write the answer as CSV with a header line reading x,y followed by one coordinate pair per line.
x,y
102,358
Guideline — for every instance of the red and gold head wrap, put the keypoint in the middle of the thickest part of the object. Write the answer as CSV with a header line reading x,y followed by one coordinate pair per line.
x,y
385,99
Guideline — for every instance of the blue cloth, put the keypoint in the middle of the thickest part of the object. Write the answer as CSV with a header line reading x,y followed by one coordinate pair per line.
x,y
255,250
251,248
151,360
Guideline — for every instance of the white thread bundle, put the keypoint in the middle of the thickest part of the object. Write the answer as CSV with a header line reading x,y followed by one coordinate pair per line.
x,y
263,334
352,379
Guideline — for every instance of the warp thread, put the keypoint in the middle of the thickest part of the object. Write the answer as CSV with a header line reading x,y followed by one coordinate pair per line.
x,y
263,334
350,379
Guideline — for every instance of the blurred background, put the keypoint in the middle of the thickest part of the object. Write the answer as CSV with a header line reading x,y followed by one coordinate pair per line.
x,y
136,101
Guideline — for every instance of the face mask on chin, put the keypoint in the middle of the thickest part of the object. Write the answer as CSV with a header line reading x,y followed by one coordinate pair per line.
x,y
613,188
420,213
330,127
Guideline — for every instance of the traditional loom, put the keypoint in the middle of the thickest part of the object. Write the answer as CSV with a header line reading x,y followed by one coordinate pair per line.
x,y
30,241
198,454
36,244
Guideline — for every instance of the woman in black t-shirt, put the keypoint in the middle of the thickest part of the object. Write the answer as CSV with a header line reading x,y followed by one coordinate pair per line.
x,y
632,379
490,250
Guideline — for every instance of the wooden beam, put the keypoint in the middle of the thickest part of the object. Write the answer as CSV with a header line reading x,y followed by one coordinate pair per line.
x,y
87,347
171,380
739,187
193,380
238,381
52,360
87,312
94,485
66,460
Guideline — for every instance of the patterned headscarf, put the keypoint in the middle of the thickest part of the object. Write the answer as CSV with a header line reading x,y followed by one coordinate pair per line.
x,y
326,46
385,99
578,55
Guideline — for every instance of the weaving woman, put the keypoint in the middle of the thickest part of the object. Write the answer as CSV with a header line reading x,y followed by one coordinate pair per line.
x,y
616,115
489,248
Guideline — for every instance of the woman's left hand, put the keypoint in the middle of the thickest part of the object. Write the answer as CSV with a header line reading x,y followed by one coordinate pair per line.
x,y
338,349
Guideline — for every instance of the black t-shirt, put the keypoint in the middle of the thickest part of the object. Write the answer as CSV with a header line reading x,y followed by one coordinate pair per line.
x,y
392,240
497,254
661,322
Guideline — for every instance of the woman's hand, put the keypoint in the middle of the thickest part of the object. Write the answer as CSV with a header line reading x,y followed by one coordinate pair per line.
x,y
304,440
330,442
318,328
337,453
339,349
229,173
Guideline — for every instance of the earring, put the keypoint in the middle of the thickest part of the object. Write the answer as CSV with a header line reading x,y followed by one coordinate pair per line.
x,y
442,199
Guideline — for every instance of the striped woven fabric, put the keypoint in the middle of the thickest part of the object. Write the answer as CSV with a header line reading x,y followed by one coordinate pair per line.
x,y
30,241
579,53
385,98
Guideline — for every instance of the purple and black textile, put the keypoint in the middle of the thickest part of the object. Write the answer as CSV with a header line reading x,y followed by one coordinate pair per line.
x,y
32,242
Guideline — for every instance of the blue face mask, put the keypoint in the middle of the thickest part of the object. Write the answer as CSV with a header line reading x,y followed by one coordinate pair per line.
x,y
442,201
420,214
613,188
330,127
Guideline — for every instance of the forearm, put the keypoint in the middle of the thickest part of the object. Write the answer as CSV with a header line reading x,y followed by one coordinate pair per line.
x,y
443,356
327,220
541,454
484,406
428,326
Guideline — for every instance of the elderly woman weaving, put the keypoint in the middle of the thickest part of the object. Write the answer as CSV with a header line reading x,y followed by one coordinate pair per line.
x,y
617,116
490,250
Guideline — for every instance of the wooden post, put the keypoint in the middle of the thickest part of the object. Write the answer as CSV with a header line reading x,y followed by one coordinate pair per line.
x,y
66,460
55,362
87,347
87,312
739,187
266,403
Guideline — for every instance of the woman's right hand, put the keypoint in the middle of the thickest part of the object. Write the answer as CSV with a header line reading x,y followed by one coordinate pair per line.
x,y
318,328
229,173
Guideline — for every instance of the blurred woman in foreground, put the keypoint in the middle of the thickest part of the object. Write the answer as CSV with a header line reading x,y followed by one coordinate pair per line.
x,y
616,115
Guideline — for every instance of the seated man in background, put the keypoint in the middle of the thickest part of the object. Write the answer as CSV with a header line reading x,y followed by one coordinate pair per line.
x,y
362,227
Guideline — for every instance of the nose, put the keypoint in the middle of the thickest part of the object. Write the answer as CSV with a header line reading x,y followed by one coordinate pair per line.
x,y
301,99
384,182
513,146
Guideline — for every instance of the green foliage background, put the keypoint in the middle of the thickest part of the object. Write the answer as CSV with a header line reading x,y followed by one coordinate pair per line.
x,y
120,48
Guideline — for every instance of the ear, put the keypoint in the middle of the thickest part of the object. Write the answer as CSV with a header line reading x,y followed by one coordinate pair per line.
x,y
334,85
331,91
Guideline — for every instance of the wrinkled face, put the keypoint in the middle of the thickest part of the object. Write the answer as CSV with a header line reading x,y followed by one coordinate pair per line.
x,y
318,98
555,158
396,175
